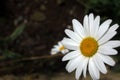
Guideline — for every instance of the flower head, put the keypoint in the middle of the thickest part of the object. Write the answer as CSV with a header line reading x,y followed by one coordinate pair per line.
x,y
58,48
91,46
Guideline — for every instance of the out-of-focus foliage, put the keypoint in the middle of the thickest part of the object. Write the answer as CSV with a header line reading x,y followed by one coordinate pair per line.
x,y
105,8
5,41
10,54
18,31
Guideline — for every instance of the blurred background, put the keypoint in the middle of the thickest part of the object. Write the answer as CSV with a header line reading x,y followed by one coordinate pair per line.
x,y
30,28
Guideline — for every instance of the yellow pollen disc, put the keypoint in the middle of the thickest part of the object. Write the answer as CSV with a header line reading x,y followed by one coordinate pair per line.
x,y
61,48
89,46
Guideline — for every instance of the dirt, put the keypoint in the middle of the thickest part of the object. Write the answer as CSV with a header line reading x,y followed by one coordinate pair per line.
x,y
57,76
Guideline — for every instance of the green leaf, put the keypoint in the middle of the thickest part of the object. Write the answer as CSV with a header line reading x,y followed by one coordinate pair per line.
x,y
10,54
17,32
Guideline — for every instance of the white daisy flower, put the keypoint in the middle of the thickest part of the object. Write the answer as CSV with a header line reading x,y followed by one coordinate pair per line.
x,y
91,46
58,48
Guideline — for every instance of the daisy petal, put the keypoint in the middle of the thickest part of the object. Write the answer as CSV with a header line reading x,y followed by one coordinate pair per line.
x,y
78,28
72,64
86,26
85,67
107,37
54,49
56,46
93,70
70,44
53,52
96,25
64,51
59,43
91,20
99,63
107,50
72,35
70,55
103,28
79,68
114,27
108,60
112,43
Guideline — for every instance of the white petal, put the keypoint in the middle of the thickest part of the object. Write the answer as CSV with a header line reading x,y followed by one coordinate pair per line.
x,y
56,46
78,28
72,64
108,60
107,50
59,43
99,63
93,70
54,50
91,20
114,27
79,68
73,35
112,43
70,44
71,55
64,51
109,34
85,67
107,37
103,28
86,26
96,25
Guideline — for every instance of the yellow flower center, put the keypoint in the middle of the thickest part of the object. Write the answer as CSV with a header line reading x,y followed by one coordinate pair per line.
x,y
61,48
89,46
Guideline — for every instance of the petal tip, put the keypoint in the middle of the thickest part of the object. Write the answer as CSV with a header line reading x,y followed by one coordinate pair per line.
x,y
73,20
91,14
110,20
64,59
66,31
